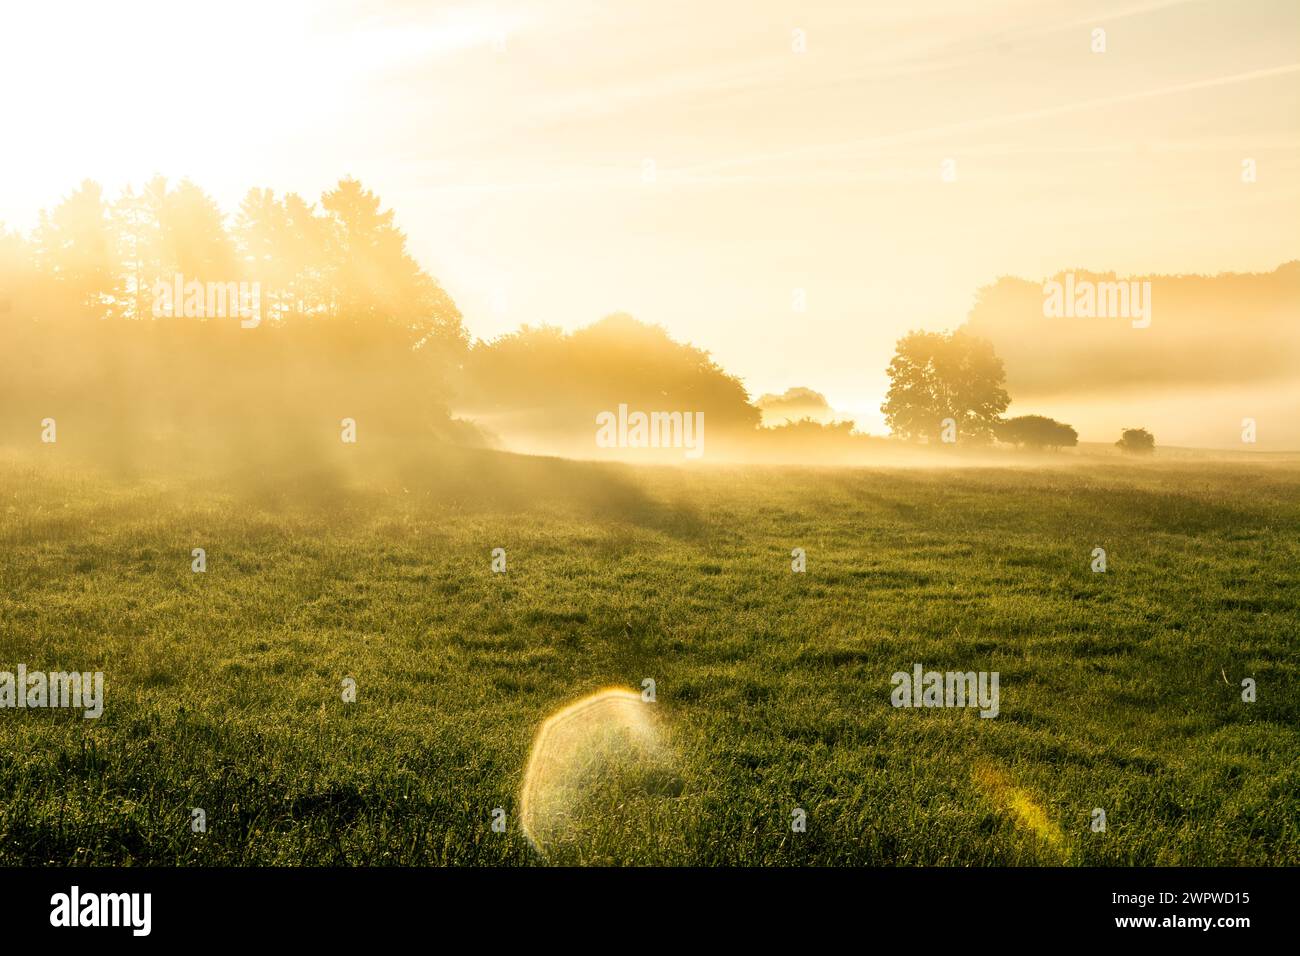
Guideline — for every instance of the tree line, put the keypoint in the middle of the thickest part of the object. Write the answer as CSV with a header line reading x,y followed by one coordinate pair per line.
x,y
342,258
351,324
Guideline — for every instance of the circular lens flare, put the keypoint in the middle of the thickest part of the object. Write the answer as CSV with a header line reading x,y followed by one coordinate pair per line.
x,y
591,764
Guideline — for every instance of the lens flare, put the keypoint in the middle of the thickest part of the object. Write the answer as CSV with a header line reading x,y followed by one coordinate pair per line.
x,y
1027,813
594,772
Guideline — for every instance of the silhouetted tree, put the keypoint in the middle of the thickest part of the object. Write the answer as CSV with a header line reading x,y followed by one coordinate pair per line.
x,y
260,234
568,378
76,249
134,223
1136,441
794,405
193,237
936,376
18,279
372,277
1036,431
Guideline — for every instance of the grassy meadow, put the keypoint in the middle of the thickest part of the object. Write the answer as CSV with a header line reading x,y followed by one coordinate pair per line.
x,y
1119,691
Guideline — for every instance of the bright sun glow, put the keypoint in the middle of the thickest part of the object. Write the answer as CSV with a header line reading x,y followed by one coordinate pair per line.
x,y
187,90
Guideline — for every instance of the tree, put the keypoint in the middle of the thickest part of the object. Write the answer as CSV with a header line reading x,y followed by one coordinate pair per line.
x,y
76,248
134,222
795,405
18,282
1136,441
195,243
566,378
261,228
301,251
936,376
373,277
1036,431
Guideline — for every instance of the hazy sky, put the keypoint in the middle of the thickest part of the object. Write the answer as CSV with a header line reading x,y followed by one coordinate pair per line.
x,y
513,140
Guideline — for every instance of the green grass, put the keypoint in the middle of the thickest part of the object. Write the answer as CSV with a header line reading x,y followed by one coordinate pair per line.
x,y
224,688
